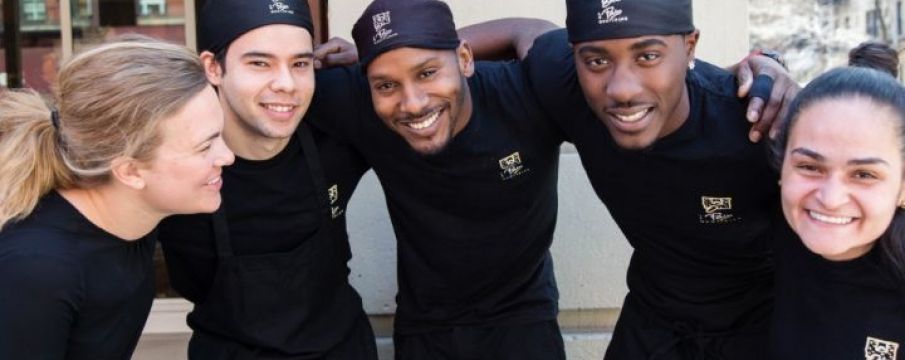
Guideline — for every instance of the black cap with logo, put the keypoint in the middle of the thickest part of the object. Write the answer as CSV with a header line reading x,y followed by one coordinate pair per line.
x,y
589,20
222,21
390,24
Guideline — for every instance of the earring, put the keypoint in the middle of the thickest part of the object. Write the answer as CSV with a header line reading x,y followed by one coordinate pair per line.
x,y
779,182
691,65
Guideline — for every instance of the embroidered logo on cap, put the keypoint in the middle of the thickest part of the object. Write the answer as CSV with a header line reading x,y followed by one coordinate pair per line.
x,y
609,13
512,166
717,210
278,7
876,349
382,33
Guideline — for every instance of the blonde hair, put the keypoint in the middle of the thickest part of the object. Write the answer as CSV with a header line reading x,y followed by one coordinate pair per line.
x,y
110,100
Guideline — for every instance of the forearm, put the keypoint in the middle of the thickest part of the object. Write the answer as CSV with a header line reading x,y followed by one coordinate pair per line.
x,y
508,38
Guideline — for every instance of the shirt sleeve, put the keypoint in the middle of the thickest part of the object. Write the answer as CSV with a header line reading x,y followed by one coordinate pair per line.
x,y
550,68
39,297
340,101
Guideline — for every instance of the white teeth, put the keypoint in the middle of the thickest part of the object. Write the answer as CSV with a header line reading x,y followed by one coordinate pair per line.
x,y
633,117
837,220
278,108
425,123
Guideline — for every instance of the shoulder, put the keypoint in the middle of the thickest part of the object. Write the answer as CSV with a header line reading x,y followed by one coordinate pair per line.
x,y
34,273
713,80
340,96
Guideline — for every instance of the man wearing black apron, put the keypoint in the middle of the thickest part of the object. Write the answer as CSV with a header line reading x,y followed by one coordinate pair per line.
x,y
663,139
469,168
268,272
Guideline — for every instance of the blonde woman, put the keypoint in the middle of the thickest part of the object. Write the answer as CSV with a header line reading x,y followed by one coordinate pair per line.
x,y
135,137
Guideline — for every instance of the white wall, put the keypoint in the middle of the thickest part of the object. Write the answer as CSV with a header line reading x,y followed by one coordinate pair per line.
x,y
590,252
723,23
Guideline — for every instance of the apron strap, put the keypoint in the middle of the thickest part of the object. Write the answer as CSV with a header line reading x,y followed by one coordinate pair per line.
x,y
317,171
312,156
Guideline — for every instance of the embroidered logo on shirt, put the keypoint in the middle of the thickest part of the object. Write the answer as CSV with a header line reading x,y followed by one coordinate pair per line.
x,y
512,166
876,349
609,13
382,33
717,210
278,7
333,194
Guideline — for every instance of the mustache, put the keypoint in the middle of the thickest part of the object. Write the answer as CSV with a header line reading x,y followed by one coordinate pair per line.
x,y
627,105
407,116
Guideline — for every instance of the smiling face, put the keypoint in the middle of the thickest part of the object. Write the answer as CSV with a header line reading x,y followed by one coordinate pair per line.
x,y
183,176
267,83
842,176
422,94
636,86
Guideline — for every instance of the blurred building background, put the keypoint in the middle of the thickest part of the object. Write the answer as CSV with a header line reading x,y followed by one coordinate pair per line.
x,y
816,35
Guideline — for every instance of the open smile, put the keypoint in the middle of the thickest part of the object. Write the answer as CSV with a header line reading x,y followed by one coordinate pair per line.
x,y
830,219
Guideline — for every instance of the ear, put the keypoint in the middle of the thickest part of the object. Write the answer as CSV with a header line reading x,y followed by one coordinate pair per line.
x,y
212,68
127,171
466,58
691,42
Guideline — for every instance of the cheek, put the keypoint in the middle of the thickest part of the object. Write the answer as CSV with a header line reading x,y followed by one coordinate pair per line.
x,y
384,107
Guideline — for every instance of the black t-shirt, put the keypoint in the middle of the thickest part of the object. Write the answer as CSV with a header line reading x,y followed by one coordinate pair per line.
x,y
270,206
837,310
697,206
474,222
70,290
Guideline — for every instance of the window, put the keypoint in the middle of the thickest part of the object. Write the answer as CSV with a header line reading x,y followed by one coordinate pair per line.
x,y
34,10
152,7
872,20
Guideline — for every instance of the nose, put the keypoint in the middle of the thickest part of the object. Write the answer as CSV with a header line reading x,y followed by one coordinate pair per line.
x,y
833,193
283,80
414,100
623,85
223,155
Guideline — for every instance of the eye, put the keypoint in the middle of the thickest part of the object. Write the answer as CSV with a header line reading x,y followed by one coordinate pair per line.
x,y
865,175
596,63
427,73
649,57
302,64
384,86
258,63
808,168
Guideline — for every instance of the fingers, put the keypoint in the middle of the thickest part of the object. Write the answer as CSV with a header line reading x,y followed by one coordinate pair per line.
x,y
787,96
755,106
745,77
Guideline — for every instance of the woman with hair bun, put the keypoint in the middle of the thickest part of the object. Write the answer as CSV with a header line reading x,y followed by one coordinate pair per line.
x,y
133,136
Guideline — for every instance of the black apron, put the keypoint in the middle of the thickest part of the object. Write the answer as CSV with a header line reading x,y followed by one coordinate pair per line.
x,y
297,304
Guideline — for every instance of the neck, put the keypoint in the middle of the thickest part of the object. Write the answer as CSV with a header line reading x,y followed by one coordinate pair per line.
x,y
679,114
116,210
467,108
248,143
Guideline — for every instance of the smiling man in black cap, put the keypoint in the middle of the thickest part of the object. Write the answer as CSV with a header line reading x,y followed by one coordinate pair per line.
x,y
663,139
469,169
268,272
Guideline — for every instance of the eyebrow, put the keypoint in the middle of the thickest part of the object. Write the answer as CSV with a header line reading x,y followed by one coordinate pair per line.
x,y
209,138
417,67
646,43
862,161
258,54
592,50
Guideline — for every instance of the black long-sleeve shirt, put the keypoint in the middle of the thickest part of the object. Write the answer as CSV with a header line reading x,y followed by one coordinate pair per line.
x,y
70,290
